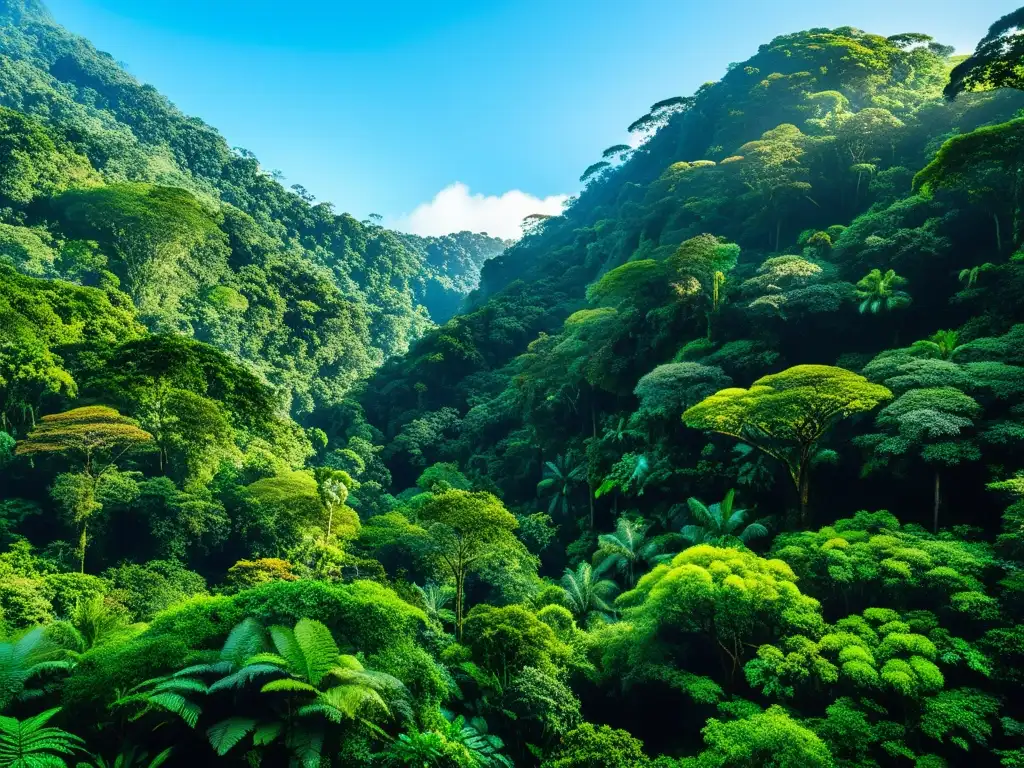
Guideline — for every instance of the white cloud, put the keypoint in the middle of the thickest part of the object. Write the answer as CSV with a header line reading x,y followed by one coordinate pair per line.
x,y
455,209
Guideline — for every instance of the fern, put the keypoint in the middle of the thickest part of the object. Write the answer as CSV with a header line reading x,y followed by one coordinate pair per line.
x,y
306,746
180,685
245,640
30,656
266,733
30,743
288,647
227,733
288,685
176,704
243,676
320,652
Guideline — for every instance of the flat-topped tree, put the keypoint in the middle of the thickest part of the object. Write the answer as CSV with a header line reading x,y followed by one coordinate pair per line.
x,y
93,439
786,414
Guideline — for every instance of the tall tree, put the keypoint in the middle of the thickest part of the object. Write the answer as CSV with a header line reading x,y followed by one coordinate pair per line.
x,y
786,414
465,532
935,424
94,438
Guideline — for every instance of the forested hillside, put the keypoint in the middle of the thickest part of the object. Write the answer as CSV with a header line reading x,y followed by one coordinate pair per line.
x,y
108,184
721,468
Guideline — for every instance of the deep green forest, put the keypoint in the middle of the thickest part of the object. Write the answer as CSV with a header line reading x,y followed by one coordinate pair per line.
x,y
721,468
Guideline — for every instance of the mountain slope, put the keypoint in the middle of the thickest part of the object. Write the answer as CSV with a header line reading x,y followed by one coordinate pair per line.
x,y
819,132
313,299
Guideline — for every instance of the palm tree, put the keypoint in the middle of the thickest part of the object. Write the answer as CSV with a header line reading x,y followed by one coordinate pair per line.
x,y
722,525
561,476
879,292
941,344
31,656
620,431
586,592
30,743
436,598
627,548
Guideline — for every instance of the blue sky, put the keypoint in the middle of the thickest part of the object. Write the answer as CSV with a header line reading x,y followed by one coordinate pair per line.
x,y
380,106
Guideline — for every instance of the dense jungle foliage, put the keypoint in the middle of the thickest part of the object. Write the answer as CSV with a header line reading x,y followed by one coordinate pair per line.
x,y
720,468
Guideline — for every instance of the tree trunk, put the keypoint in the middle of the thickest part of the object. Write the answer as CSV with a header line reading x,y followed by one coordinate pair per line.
x,y
330,519
81,547
999,234
459,586
590,485
804,486
935,512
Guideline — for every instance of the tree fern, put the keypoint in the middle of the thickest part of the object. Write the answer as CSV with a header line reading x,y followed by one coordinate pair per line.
x,y
30,743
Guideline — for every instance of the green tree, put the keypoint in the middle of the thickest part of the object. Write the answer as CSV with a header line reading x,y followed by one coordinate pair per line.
x,y
976,162
466,532
721,524
996,62
786,414
96,438
587,746
506,640
770,739
931,422
166,241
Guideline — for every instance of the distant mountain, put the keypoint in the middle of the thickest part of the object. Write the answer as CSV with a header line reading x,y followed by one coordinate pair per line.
x,y
313,299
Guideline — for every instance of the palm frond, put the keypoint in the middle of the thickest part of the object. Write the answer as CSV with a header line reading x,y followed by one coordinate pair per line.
x,y
266,733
